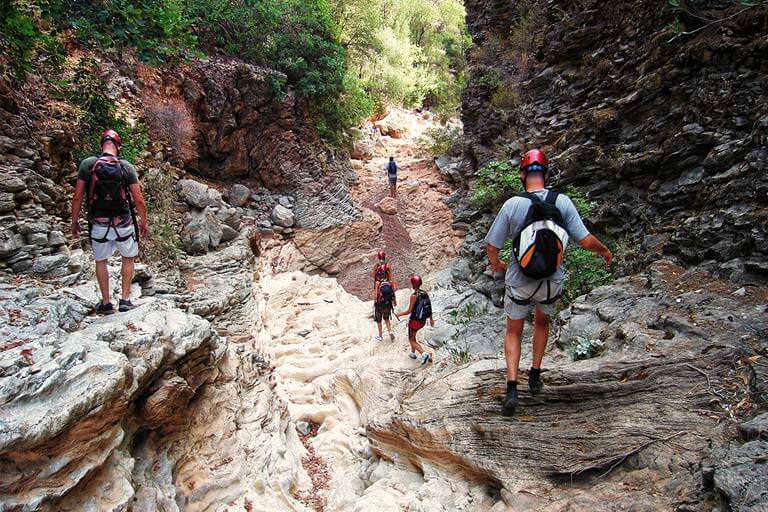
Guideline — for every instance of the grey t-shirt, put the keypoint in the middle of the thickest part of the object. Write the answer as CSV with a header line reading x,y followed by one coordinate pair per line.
x,y
509,222
131,176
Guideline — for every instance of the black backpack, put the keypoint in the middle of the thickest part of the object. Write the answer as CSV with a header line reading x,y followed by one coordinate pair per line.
x,y
539,247
386,293
423,307
392,168
108,188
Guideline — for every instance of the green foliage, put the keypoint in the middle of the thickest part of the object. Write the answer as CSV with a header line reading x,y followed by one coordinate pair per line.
x,y
580,201
22,39
494,183
405,52
164,244
462,317
98,112
337,115
159,30
585,273
491,79
439,140
584,348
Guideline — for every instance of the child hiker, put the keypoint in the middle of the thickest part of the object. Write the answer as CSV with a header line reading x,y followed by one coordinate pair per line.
x,y
420,309
384,299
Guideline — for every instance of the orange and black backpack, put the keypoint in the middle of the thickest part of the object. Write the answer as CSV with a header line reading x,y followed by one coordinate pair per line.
x,y
539,247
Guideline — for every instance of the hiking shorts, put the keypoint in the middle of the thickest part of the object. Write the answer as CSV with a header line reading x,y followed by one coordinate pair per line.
x,y
393,181
104,250
547,303
414,326
382,311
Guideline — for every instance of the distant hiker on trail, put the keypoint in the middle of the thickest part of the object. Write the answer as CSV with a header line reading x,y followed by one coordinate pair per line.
x,y
110,186
539,221
384,299
392,176
420,310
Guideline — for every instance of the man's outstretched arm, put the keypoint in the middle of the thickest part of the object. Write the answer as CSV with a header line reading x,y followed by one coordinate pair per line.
x,y
493,256
141,208
77,203
593,245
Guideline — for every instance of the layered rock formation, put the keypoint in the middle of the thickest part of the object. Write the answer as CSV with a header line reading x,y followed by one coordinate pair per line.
x,y
665,127
224,121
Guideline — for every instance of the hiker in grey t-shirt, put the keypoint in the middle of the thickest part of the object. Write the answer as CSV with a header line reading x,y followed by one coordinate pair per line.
x,y
523,292
109,187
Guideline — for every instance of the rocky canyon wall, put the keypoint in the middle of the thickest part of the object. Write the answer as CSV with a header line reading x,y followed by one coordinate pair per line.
x,y
660,115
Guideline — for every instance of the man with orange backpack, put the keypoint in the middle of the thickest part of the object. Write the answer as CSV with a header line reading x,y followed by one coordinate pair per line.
x,y
539,222
110,187
384,299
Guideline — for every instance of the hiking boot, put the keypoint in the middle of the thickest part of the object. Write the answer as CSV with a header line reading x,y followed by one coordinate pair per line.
x,y
413,355
425,358
392,336
378,338
535,384
125,305
104,309
510,401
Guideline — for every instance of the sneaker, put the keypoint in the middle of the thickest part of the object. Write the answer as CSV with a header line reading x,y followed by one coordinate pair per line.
x,y
378,338
392,336
535,384
125,305
104,309
510,402
425,358
413,355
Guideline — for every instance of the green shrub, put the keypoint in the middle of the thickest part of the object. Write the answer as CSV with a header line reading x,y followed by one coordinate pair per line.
x,y
494,183
164,244
439,140
585,273
98,112
491,79
21,38
584,348
462,317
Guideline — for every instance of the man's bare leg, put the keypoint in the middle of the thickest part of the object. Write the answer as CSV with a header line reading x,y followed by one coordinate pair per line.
x,y
127,274
102,277
512,347
540,335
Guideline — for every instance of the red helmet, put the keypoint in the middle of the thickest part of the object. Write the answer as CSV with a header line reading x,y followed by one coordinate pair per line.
x,y
534,157
382,255
113,136
415,281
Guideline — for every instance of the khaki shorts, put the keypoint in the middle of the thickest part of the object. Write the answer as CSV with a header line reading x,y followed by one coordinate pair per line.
x,y
104,250
517,311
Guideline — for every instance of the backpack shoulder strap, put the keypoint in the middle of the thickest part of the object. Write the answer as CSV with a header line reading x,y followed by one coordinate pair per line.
x,y
532,197
552,196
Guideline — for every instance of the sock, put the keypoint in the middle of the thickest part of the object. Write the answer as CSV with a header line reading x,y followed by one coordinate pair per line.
x,y
534,372
511,384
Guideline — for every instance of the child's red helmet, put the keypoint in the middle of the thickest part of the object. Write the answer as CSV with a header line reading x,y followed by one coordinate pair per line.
x,y
534,157
382,255
415,281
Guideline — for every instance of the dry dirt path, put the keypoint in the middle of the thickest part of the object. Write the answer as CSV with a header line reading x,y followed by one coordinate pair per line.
x,y
419,237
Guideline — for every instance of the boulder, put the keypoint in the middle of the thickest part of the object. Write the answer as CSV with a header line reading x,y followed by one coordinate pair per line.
x,y
11,183
10,242
198,194
56,238
66,397
227,233
202,232
46,264
282,216
740,475
239,195
7,203
388,205
232,217
286,201
362,150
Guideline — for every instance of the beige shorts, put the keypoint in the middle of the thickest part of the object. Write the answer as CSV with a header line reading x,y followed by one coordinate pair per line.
x,y
517,311
128,248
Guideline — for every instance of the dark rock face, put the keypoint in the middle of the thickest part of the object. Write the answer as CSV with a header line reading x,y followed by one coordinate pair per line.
x,y
668,133
230,126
